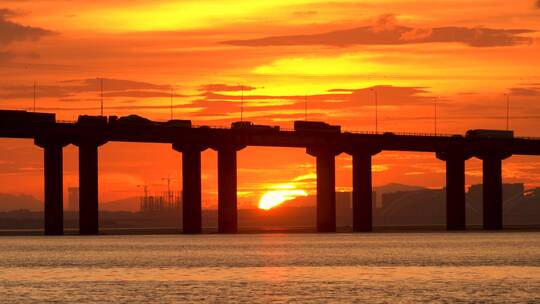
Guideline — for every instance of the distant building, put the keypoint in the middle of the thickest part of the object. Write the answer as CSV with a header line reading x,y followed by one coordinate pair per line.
x,y
512,194
411,208
73,199
428,207
167,202
344,208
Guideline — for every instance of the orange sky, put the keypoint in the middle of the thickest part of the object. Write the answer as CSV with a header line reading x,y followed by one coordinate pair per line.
x,y
470,53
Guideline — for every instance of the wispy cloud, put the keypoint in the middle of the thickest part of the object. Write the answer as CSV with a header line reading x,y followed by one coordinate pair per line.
x,y
387,31
111,88
12,32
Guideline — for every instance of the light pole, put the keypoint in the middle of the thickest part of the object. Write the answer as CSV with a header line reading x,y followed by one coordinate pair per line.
x,y
435,112
171,103
305,107
376,110
101,91
507,110
35,88
242,103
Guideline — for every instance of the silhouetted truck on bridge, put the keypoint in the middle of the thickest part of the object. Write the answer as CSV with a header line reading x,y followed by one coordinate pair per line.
x,y
482,133
32,117
315,126
178,123
21,123
142,121
92,121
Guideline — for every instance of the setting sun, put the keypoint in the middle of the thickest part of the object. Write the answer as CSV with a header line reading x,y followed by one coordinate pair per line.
x,y
283,193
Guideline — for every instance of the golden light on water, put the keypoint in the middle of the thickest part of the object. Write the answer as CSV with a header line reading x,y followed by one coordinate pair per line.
x,y
281,194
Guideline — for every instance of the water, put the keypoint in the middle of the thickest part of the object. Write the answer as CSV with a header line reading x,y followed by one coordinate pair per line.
x,y
294,268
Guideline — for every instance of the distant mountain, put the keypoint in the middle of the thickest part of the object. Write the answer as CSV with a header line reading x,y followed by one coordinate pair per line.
x,y
10,202
127,204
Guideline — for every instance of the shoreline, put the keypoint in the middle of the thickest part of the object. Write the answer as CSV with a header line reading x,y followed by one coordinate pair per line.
x,y
271,230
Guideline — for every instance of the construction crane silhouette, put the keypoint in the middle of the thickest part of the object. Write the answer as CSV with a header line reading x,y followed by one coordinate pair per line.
x,y
169,193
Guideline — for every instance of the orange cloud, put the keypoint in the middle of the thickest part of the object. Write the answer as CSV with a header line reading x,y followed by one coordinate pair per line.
x,y
387,32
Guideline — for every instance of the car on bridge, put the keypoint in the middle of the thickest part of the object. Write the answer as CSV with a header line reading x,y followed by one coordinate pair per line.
x,y
132,120
251,126
315,126
483,133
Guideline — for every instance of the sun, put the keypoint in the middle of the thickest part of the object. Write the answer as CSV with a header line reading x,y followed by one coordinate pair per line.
x,y
283,193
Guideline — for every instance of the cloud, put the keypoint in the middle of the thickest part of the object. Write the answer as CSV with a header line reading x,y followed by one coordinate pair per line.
x,y
336,103
387,31
385,23
527,92
219,87
110,84
416,34
341,104
12,32
111,88
305,13
6,56
537,4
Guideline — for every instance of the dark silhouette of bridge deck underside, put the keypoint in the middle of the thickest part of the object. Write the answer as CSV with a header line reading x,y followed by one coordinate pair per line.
x,y
324,146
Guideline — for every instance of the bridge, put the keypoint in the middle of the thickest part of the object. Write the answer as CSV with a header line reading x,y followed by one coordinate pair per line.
x,y
91,132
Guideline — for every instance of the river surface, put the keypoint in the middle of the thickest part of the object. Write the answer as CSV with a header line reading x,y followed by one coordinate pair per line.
x,y
273,268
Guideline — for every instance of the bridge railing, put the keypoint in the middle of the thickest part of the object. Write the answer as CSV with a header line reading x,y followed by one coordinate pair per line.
x,y
527,137
401,133
211,127
229,128
419,134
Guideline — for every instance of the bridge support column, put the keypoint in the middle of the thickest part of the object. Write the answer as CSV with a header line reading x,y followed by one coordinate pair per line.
x,y
88,189
362,200
492,191
227,189
455,189
326,189
88,143
54,185
191,187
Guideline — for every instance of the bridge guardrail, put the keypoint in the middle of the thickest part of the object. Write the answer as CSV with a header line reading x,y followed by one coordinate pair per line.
x,y
400,133
62,121
527,137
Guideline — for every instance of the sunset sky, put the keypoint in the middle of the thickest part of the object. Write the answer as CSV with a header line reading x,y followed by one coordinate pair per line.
x,y
465,54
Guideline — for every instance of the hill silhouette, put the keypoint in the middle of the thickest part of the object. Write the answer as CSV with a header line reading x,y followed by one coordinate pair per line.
x,y
9,202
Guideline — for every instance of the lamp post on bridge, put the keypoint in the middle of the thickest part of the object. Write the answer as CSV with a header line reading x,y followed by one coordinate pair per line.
x,y
435,112
242,103
172,92
101,94
507,109
35,88
376,109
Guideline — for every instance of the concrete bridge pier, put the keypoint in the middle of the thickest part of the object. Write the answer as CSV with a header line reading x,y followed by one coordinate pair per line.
x,y
227,188
362,199
455,188
88,187
54,184
326,188
492,197
191,187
